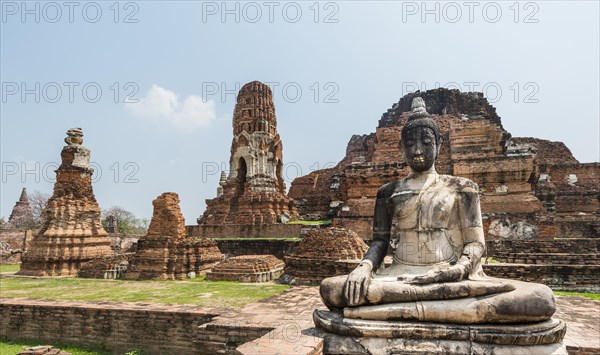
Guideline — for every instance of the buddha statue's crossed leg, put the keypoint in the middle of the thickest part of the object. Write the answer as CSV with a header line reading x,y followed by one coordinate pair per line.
x,y
526,303
391,291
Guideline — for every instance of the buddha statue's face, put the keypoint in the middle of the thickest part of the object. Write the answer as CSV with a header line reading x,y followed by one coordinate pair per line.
x,y
420,148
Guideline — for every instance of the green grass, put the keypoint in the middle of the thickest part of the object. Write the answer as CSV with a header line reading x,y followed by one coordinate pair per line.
x,y
590,295
14,347
491,261
9,268
324,222
197,291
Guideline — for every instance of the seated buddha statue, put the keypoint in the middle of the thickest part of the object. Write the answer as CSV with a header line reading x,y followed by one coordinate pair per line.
x,y
436,273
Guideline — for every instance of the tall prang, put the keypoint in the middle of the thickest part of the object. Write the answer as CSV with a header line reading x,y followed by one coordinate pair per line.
x,y
254,191
71,231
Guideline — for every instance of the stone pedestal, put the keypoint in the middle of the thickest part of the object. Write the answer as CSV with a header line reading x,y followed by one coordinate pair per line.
x,y
71,232
357,336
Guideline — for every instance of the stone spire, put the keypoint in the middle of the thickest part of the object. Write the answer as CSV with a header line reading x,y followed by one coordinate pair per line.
x,y
71,231
254,192
21,215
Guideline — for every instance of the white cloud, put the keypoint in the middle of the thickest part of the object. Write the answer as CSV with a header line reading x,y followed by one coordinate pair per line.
x,y
162,105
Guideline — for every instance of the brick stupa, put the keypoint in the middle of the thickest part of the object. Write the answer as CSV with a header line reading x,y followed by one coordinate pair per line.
x,y
247,268
166,252
71,231
21,215
254,192
324,252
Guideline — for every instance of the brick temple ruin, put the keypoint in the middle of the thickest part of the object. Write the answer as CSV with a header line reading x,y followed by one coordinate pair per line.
x,y
540,207
531,190
71,233
165,252
254,191
530,180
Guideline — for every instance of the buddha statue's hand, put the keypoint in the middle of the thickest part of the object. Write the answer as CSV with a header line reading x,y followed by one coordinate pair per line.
x,y
358,282
459,271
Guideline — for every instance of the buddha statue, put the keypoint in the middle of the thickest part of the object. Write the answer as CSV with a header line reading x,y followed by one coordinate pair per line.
x,y
436,274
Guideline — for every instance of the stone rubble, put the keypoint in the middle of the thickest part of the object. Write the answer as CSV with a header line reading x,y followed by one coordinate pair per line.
x,y
165,252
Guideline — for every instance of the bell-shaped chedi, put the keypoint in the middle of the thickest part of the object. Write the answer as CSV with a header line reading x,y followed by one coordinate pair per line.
x,y
21,216
71,231
166,252
254,192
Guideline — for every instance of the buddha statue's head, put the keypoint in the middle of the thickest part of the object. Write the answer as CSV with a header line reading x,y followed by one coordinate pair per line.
x,y
420,139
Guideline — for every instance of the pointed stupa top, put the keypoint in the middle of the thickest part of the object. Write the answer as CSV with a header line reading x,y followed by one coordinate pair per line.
x,y
24,197
21,214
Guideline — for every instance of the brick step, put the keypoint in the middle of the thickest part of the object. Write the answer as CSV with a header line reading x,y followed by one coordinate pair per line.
x,y
229,333
549,258
575,277
553,246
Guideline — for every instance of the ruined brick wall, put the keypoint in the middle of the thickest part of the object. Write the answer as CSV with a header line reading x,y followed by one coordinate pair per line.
x,y
276,247
546,227
120,327
499,248
443,102
361,225
548,152
578,226
314,193
245,231
572,264
165,252
360,148
107,267
475,146
577,186
561,277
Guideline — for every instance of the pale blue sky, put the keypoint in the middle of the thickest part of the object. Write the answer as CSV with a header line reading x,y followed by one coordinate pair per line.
x,y
363,56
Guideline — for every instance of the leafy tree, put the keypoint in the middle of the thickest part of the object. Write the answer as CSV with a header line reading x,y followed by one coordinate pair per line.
x,y
2,221
38,201
126,222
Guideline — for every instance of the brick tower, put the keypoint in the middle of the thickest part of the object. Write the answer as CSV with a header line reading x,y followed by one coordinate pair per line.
x,y
71,231
254,191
